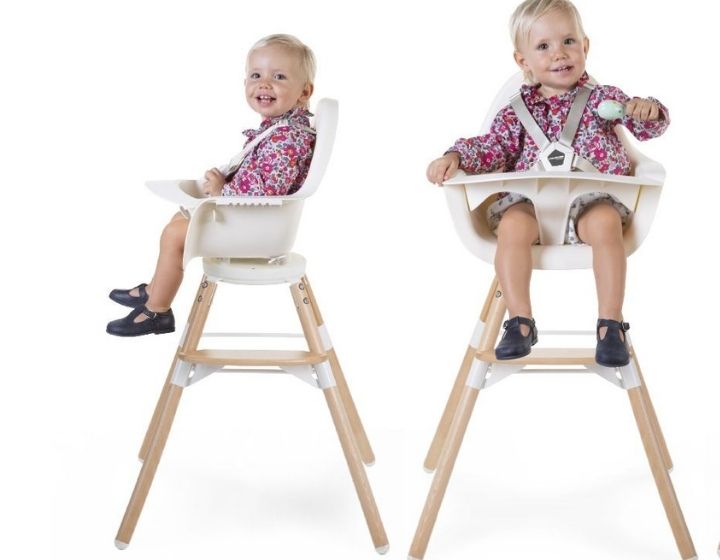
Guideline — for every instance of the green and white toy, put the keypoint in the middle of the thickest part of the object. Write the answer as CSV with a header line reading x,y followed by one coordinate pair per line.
x,y
611,110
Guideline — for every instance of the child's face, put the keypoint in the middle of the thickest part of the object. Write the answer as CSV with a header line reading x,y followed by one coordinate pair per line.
x,y
274,82
554,52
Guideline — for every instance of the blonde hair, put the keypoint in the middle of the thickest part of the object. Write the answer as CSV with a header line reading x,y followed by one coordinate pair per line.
x,y
527,13
291,43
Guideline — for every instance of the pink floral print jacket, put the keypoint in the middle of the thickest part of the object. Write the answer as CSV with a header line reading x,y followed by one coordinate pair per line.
x,y
279,164
507,147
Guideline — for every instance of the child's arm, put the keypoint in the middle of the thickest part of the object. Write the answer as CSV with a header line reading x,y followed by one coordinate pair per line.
x,y
214,181
644,118
499,149
275,165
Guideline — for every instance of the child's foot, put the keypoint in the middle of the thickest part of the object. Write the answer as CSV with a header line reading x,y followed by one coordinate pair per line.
x,y
611,350
130,298
150,322
515,344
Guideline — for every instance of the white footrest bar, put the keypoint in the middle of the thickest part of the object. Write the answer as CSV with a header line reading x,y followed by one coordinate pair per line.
x,y
254,335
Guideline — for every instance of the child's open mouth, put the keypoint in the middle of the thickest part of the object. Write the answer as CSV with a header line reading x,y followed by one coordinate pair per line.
x,y
265,99
562,69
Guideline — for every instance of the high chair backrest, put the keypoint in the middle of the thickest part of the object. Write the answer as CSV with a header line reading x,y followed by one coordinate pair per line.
x,y
552,193
257,226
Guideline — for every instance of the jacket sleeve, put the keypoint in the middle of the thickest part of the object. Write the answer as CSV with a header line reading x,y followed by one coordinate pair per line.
x,y
498,150
642,130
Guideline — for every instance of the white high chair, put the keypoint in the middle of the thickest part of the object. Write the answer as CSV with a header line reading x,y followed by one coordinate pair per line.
x,y
552,193
247,240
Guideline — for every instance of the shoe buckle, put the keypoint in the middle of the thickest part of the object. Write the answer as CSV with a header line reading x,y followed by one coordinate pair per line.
x,y
625,326
149,314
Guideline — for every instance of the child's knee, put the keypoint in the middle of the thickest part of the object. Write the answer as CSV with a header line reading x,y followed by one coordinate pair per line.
x,y
600,222
518,223
173,236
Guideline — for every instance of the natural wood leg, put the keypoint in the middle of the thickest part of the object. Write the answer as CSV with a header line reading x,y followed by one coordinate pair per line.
x,y
360,437
357,470
660,473
442,474
195,325
667,460
342,424
492,314
160,425
147,472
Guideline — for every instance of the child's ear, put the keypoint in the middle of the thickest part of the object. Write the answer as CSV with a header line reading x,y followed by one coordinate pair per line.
x,y
306,93
586,45
520,61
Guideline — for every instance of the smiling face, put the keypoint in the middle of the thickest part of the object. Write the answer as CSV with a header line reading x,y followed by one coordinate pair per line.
x,y
274,82
554,52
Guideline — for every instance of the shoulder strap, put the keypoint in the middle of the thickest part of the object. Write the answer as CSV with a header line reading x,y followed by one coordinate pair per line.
x,y
250,146
528,122
573,119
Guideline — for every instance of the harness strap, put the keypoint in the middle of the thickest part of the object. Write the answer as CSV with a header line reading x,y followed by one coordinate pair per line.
x,y
564,142
237,160
567,135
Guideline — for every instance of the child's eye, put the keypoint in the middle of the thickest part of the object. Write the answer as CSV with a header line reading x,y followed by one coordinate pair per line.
x,y
254,76
280,77
569,41
542,46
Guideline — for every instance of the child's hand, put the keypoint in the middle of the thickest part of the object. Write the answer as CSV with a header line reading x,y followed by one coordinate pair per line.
x,y
214,181
642,109
441,169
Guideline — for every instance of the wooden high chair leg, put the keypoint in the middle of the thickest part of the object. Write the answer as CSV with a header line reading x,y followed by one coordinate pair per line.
x,y
195,325
660,473
161,423
667,460
481,341
340,418
458,426
360,438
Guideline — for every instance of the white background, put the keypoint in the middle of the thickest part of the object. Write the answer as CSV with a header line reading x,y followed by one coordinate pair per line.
x,y
98,97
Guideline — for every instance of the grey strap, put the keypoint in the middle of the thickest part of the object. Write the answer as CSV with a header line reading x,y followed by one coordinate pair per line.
x,y
528,122
237,160
573,119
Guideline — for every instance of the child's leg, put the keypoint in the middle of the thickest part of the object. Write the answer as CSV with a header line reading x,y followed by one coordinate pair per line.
x,y
517,231
601,227
168,271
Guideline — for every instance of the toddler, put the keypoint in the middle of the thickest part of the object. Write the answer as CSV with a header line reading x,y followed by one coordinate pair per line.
x,y
551,48
280,71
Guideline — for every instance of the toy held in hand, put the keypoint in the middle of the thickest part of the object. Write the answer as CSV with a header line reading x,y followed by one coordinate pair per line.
x,y
611,110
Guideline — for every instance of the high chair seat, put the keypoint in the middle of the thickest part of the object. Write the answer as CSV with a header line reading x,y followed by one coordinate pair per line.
x,y
552,194
248,240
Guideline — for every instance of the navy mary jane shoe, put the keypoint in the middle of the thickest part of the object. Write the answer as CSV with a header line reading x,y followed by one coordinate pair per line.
x,y
612,351
513,343
123,297
156,323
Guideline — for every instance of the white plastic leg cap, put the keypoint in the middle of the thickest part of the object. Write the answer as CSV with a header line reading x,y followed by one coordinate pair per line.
x,y
412,558
382,549
121,545
430,471
370,464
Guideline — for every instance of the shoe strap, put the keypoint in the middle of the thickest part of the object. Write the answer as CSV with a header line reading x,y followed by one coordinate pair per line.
x,y
142,292
517,321
611,324
149,314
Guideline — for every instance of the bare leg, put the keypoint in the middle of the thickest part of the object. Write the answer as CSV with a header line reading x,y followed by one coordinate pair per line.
x,y
168,270
601,227
517,231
